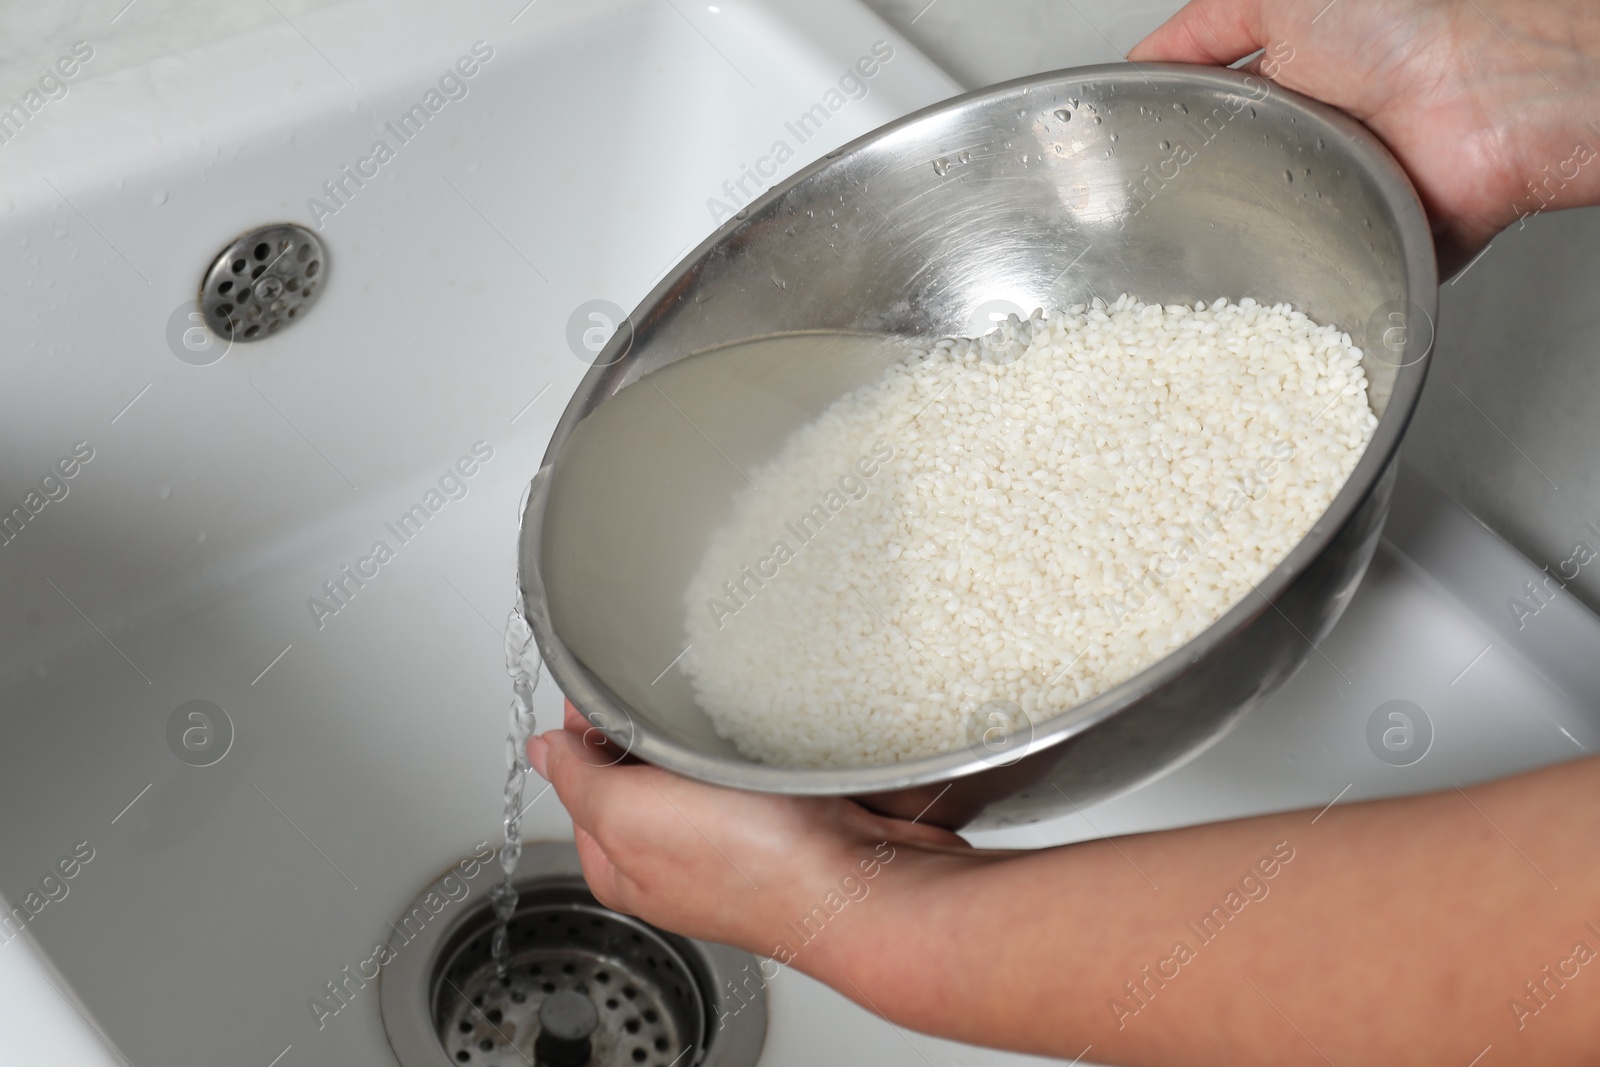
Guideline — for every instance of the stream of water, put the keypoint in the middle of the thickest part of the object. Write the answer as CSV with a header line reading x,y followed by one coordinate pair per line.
x,y
522,663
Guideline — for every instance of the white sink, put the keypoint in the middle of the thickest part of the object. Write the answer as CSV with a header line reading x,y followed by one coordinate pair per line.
x,y
590,150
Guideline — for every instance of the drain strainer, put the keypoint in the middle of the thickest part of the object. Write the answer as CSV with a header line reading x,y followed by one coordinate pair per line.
x,y
584,985
262,282
605,988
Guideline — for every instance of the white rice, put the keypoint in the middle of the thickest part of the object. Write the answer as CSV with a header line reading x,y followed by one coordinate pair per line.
x,y
1017,522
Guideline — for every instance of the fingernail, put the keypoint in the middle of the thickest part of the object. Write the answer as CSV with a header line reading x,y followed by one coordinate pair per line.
x,y
538,751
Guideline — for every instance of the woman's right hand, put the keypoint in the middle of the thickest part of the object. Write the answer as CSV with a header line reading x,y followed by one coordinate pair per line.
x,y
1491,106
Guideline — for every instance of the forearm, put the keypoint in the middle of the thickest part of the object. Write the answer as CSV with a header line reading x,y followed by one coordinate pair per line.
x,y
1388,932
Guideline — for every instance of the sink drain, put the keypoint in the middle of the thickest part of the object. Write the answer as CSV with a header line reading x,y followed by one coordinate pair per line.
x,y
594,986
262,282
584,986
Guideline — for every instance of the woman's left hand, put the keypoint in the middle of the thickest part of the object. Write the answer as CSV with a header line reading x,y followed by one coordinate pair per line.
x,y
728,866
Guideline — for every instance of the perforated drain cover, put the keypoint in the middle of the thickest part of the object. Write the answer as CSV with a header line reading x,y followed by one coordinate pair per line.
x,y
646,1008
584,984
262,282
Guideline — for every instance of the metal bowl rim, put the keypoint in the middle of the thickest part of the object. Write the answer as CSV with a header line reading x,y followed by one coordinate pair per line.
x,y
654,746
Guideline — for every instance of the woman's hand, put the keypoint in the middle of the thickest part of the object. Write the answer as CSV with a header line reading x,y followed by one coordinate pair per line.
x,y
1491,106
728,866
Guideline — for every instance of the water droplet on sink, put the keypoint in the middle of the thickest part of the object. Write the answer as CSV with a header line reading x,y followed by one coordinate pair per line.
x,y
1097,120
1181,109
941,166
1063,114
1164,145
1288,176
963,156
164,491
159,197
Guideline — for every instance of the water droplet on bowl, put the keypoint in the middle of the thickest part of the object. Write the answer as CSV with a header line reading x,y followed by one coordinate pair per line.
x,y
159,197
1164,145
1063,114
941,166
1288,176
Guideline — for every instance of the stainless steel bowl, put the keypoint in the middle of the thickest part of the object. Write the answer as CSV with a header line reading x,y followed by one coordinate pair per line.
x,y
1174,183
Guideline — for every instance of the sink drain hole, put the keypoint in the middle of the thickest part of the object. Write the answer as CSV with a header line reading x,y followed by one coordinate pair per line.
x,y
262,282
584,986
